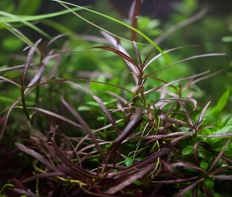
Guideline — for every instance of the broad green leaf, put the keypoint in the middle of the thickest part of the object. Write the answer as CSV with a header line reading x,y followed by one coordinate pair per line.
x,y
223,130
221,104
204,165
187,150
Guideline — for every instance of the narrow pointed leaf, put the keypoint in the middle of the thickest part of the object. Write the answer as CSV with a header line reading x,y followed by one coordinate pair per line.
x,y
36,155
123,55
84,125
28,59
130,180
191,186
219,155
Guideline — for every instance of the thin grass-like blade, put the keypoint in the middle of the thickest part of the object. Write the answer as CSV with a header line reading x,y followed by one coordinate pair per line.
x,y
28,60
84,125
219,155
20,35
115,20
14,18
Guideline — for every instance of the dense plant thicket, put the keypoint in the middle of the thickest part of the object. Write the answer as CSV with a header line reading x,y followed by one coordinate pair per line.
x,y
81,116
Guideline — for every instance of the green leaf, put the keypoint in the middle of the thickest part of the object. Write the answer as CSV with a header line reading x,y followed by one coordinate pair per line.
x,y
223,130
204,165
187,150
227,39
221,104
6,185
128,162
209,184
137,182
12,44
83,108
101,118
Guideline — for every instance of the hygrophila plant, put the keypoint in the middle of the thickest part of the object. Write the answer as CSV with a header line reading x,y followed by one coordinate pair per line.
x,y
147,146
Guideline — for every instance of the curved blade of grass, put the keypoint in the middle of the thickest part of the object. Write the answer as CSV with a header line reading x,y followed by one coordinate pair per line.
x,y
7,15
117,21
17,33
16,18
28,60
219,155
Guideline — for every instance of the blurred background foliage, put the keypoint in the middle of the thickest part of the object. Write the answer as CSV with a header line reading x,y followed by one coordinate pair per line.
x,y
212,33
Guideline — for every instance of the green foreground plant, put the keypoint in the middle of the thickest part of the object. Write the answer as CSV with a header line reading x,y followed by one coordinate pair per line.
x,y
149,142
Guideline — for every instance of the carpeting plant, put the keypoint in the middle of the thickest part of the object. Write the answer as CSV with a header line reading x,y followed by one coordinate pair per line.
x,y
147,147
